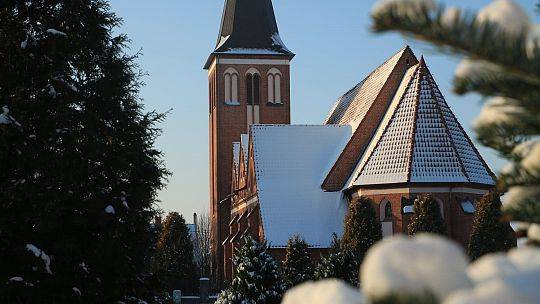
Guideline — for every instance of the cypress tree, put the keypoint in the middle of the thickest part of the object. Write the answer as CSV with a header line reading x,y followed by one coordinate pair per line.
x,y
427,216
256,276
79,173
489,232
340,263
297,267
174,262
362,228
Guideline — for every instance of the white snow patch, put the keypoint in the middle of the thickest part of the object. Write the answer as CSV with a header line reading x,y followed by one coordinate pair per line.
x,y
277,41
252,51
518,194
40,254
531,162
450,16
498,110
52,91
77,291
404,7
534,232
222,40
110,210
6,119
408,209
323,292
427,263
16,279
56,32
506,14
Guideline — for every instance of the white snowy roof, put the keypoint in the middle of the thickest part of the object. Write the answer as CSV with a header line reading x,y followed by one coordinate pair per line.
x,y
244,143
420,140
236,155
352,107
289,161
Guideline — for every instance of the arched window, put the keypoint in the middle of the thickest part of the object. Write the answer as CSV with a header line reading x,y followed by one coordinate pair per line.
x,y
388,210
441,205
253,85
385,209
231,87
274,86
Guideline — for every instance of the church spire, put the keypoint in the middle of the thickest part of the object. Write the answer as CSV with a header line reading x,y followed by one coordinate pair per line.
x,y
249,27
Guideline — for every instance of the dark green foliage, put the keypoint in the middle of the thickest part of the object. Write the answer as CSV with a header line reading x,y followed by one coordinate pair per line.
x,y
297,267
407,299
256,276
427,216
490,233
340,263
362,228
174,263
84,143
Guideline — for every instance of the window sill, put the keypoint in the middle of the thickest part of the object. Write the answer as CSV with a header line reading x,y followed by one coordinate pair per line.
x,y
232,103
275,104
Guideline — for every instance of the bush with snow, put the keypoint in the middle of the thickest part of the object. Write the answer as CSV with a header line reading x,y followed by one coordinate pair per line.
x,y
330,291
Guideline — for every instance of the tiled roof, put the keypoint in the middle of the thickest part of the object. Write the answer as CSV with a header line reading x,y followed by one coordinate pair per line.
x,y
289,160
236,155
353,106
420,140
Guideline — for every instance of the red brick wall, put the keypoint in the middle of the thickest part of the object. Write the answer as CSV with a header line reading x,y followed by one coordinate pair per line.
x,y
227,123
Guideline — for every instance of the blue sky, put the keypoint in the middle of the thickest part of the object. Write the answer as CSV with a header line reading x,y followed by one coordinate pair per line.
x,y
335,50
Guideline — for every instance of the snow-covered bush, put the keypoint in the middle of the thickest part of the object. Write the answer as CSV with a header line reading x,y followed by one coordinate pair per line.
x,y
330,291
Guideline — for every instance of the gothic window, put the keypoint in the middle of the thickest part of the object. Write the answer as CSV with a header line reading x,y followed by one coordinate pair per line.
x,y
388,210
274,86
253,85
385,209
231,86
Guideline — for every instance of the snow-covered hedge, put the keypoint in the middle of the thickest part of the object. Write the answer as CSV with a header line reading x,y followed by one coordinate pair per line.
x,y
429,268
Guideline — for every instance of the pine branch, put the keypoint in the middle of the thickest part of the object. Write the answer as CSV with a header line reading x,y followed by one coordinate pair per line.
x,y
462,34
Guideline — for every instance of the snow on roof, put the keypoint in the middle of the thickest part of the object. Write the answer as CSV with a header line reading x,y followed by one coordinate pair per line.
x,y
353,106
289,160
244,143
420,140
236,155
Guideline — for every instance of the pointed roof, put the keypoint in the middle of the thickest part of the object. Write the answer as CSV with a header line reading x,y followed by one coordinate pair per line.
x,y
420,140
249,27
353,105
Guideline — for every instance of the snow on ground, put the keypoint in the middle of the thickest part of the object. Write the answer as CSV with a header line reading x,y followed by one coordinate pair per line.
x,y
56,32
110,210
427,263
323,292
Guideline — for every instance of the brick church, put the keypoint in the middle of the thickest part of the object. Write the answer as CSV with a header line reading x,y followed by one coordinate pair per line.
x,y
390,138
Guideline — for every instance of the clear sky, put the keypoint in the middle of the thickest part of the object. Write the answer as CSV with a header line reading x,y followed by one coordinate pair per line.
x,y
335,50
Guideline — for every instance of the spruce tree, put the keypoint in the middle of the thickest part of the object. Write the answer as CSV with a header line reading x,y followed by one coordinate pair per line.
x,y
362,228
489,232
298,266
427,216
502,63
78,169
174,261
340,263
256,276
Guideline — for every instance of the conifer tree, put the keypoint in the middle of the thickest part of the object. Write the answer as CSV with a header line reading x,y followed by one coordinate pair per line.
x,y
489,232
297,267
256,276
501,47
78,169
427,216
362,228
174,262
340,263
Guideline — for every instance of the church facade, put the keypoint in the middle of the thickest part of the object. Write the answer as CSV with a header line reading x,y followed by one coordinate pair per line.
x,y
390,138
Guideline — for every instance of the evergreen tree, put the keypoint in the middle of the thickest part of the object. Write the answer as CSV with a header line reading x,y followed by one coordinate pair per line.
x,y
427,216
297,267
362,228
256,276
79,173
489,232
502,50
340,263
174,262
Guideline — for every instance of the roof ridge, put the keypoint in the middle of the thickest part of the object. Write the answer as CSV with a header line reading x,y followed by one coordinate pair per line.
x,y
419,69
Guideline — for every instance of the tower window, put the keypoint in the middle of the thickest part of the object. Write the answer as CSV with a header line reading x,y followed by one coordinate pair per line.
x,y
274,86
231,87
253,85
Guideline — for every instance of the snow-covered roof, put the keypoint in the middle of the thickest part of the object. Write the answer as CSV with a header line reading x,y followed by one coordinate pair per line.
x,y
289,161
352,107
244,143
420,140
236,155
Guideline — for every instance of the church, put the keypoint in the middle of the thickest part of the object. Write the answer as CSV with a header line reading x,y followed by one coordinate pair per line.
x,y
391,138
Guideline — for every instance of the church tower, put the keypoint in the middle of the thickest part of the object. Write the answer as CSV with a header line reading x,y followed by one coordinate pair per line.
x,y
249,83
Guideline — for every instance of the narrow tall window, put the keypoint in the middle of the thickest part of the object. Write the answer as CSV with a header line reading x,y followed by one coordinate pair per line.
x,y
274,86
231,86
388,211
253,95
